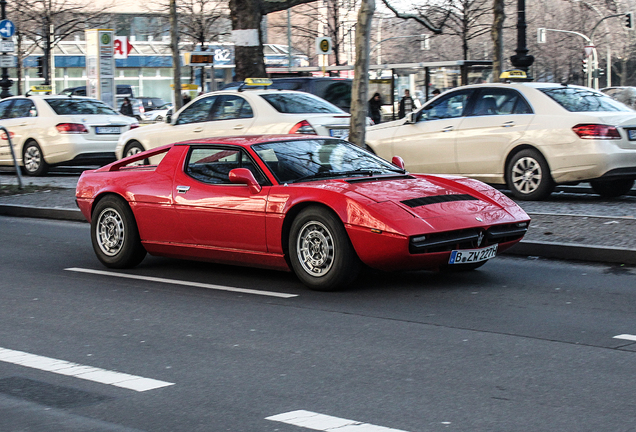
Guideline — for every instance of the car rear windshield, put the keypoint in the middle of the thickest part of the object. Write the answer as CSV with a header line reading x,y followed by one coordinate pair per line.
x,y
583,100
299,103
80,106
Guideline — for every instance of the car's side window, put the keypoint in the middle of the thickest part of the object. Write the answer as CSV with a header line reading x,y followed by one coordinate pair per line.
x,y
198,112
22,108
499,101
449,106
231,107
4,108
213,165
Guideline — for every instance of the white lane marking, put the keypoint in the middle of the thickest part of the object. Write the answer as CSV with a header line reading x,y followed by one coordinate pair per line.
x,y
626,337
179,282
77,370
327,423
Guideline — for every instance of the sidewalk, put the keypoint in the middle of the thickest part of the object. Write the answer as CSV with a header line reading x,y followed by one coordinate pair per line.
x,y
610,239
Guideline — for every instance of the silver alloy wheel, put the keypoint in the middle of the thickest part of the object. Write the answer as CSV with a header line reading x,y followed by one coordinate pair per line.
x,y
315,248
110,231
526,175
32,158
133,150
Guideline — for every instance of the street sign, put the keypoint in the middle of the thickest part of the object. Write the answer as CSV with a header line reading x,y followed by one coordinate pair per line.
x,y
7,61
199,58
7,28
588,50
323,45
123,47
7,46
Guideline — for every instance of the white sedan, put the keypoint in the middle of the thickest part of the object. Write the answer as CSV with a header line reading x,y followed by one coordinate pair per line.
x,y
235,112
528,136
55,130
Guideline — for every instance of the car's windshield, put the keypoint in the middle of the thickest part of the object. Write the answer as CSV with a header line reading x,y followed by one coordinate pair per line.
x,y
300,103
313,159
576,99
80,106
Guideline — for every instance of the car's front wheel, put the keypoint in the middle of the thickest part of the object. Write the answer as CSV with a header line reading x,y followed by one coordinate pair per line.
x,y
612,188
528,176
133,148
114,234
320,252
33,161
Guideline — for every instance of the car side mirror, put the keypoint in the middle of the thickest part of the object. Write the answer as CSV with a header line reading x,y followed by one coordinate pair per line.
x,y
411,118
398,162
245,176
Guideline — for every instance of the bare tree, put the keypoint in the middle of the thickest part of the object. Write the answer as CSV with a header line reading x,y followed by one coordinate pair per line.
x,y
360,86
496,33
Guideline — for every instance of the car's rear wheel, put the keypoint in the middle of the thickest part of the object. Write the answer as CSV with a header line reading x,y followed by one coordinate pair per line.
x,y
320,252
33,162
612,188
114,234
528,176
133,148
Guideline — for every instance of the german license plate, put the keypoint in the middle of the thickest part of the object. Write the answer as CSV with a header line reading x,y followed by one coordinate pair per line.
x,y
472,255
631,134
107,130
339,133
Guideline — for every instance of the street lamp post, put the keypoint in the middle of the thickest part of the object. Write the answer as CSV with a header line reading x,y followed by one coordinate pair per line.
x,y
521,60
5,82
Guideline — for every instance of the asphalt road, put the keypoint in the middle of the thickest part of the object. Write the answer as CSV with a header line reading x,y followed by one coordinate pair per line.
x,y
519,345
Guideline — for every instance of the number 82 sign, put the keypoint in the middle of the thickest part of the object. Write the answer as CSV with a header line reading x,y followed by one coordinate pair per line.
x,y
323,45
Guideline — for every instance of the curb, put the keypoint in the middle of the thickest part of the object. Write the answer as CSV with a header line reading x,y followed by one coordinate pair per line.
x,y
563,251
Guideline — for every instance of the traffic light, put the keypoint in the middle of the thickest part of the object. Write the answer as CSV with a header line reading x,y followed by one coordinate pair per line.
x,y
40,72
629,20
586,66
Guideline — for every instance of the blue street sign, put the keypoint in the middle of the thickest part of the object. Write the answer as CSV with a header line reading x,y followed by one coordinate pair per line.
x,y
7,28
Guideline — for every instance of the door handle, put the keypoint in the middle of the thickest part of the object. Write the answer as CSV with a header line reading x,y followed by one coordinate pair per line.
x,y
199,129
508,124
448,128
183,189
238,127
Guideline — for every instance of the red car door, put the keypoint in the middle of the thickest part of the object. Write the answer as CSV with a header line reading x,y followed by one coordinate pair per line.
x,y
216,212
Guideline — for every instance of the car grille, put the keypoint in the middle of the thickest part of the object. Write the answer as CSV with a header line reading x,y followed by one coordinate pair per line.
x,y
466,239
436,199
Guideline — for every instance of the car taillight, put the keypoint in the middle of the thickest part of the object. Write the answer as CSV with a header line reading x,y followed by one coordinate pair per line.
x,y
142,109
303,127
134,126
71,128
596,131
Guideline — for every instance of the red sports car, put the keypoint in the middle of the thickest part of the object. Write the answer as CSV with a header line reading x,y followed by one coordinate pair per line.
x,y
319,206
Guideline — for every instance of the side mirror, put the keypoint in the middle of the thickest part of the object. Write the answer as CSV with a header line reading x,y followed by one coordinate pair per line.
x,y
398,162
245,176
411,118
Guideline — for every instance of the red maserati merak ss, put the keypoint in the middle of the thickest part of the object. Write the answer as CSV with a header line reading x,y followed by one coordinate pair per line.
x,y
319,206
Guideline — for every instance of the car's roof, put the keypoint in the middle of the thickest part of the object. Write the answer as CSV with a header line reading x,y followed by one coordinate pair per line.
x,y
249,140
53,96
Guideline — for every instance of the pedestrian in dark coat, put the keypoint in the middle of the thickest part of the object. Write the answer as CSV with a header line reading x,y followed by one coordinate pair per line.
x,y
126,108
375,108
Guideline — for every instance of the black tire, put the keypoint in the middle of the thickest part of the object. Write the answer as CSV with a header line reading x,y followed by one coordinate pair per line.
x,y
612,188
528,176
33,162
159,119
114,234
320,251
456,268
134,147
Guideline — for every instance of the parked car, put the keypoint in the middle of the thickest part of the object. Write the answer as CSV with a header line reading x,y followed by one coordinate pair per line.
x,y
158,114
60,130
318,206
151,103
231,112
123,90
332,89
137,107
627,95
528,136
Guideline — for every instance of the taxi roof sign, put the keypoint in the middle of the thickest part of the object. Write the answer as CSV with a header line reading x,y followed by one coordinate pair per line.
x,y
41,88
514,75
258,81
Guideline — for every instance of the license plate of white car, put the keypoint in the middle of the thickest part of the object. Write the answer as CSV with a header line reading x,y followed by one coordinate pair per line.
x,y
467,256
631,134
339,133
107,130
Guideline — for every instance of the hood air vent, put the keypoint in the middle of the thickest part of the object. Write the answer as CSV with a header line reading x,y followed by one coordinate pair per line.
x,y
416,202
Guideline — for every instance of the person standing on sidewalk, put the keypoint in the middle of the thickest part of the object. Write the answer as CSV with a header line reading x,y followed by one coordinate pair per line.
x,y
126,108
406,104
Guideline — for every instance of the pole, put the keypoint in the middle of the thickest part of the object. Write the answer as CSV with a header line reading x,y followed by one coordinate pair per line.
x,y
608,72
521,60
5,82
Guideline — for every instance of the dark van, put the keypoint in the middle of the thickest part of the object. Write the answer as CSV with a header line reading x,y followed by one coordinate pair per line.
x,y
332,89
123,90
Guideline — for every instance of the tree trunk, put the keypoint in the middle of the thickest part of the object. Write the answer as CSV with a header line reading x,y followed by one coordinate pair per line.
x,y
360,87
246,18
496,33
176,58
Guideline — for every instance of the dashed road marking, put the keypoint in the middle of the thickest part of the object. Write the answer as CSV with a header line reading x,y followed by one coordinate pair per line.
x,y
327,423
180,282
77,370
628,337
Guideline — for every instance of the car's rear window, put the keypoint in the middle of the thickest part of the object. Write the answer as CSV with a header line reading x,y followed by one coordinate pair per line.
x,y
583,100
299,103
72,106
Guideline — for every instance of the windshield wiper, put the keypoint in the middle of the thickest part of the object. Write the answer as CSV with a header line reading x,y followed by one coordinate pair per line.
x,y
349,173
